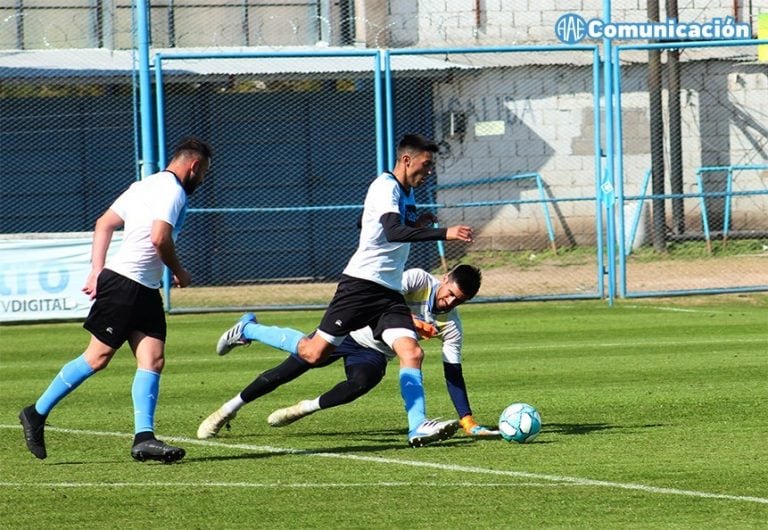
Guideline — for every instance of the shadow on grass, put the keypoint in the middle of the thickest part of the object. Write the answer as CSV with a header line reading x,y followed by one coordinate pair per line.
x,y
380,441
589,428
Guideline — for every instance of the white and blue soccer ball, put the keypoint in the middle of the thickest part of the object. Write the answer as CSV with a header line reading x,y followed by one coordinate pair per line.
x,y
519,422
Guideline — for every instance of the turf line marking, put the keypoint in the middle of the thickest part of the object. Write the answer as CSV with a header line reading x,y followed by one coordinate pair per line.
x,y
275,485
635,342
684,309
432,465
673,309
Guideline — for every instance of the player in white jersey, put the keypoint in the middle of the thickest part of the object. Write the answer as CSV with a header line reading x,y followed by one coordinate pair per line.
x,y
368,293
128,306
433,304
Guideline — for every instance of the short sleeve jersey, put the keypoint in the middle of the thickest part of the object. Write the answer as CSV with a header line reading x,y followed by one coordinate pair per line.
x,y
156,197
377,259
419,289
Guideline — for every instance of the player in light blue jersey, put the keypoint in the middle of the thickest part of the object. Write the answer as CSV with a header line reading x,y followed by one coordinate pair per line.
x,y
369,292
433,304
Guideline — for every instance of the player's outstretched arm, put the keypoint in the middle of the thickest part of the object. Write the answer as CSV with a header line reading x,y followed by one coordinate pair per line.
x,y
457,389
459,233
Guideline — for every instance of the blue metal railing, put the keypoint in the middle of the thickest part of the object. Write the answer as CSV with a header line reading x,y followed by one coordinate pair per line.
x,y
543,200
728,194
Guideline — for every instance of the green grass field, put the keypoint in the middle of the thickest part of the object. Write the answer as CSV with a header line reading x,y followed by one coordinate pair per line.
x,y
654,416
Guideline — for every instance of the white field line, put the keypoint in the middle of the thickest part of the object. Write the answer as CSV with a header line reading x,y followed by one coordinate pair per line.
x,y
555,479
679,309
633,342
548,346
280,485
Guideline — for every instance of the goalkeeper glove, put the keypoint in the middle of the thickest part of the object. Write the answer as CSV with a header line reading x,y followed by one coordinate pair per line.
x,y
425,330
471,427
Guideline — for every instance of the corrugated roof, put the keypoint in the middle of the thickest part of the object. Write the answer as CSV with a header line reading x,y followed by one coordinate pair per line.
x,y
91,63
101,63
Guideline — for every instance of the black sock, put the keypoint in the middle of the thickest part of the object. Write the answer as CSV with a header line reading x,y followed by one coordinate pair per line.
x,y
143,437
361,378
343,393
40,418
266,382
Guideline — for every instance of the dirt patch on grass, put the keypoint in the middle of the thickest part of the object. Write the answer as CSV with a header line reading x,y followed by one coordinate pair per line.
x,y
511,281
661,275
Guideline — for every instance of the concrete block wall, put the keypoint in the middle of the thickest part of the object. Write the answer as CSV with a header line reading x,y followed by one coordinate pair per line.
x,y
458,22
548,128
396,23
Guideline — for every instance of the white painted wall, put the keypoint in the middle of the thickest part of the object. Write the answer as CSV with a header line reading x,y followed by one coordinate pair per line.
x,y
427,23
544,119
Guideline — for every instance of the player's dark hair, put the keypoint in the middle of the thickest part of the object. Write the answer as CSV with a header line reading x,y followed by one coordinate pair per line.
x,y
193,146
415,143
467,278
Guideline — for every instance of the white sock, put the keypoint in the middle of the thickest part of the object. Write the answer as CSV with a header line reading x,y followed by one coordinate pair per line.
x,y
233,405
310,405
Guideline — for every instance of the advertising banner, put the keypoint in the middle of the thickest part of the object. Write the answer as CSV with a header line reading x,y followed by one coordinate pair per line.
x,y
41,278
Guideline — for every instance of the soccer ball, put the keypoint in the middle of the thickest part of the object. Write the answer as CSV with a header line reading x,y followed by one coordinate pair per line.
x,y
519,422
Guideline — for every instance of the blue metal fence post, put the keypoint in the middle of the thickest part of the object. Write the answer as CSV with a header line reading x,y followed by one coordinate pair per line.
x,y
703,205
598,170
148,156
636,217
381,135
727,206
390,110
619,176
607,187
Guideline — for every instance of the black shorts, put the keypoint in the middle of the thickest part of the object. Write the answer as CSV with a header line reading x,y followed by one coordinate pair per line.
x,y
359,303
123,306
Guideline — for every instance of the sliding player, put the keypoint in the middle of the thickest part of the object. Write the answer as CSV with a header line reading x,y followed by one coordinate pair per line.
x,y
433,304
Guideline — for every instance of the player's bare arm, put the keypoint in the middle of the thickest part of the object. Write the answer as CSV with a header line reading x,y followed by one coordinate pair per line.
x,y
102,237
162,240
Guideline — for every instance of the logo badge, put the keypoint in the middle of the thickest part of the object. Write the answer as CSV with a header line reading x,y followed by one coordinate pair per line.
x,y
571,28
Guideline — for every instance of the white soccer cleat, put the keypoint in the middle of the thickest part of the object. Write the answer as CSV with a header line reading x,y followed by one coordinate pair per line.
x,y
430,431
286,416
213,424
233,337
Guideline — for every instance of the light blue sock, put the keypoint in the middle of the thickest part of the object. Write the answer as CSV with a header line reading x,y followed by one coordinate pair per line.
x,y
412,390
146,385
285,339
69,378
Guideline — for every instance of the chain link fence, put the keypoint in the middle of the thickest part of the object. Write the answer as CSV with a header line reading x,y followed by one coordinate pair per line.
x,y
516,127
296,143
282,202
521,131
695,168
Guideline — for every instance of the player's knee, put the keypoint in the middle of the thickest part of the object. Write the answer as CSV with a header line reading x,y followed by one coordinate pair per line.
x,y
153,365
311,357
314,350
409,352
98,360
99,363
